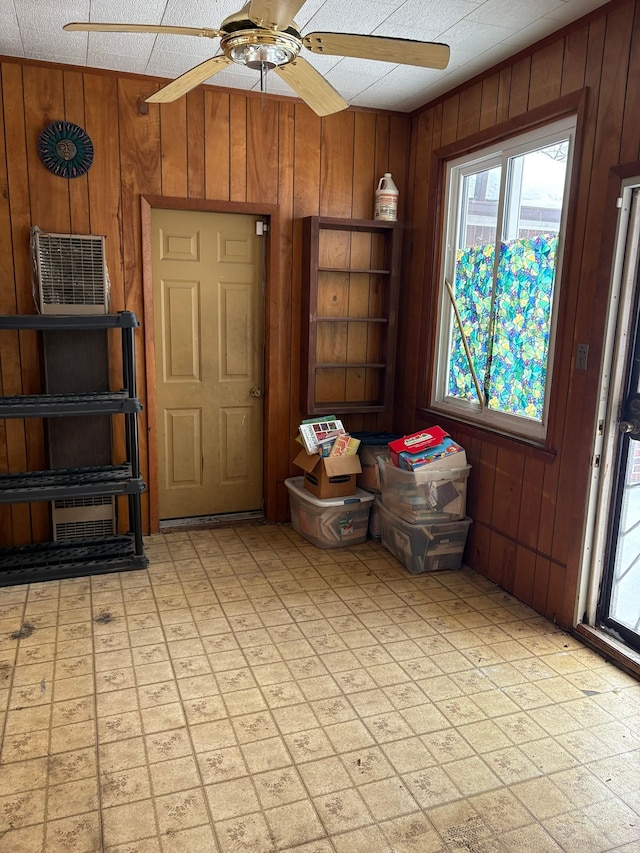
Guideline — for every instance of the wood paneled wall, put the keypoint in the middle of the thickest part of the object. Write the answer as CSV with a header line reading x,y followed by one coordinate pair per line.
x,y
529,505
212,147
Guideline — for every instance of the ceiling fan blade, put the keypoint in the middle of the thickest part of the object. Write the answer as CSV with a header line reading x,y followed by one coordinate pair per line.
x,y
205,32
275,14
317,92
403,51
189,80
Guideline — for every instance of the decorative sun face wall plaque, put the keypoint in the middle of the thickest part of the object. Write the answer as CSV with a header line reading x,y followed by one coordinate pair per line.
x,y
65,149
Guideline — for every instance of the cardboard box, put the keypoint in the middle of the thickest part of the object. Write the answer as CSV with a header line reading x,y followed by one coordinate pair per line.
x,y
330,476
416,442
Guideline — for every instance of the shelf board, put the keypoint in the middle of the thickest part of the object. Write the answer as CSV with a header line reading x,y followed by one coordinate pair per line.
x,y
351,320
32,486
346,408
68,559
122,320
362,271
334,223
56,405
343,364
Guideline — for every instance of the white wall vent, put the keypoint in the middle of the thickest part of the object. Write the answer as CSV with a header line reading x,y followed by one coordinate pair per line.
x,y
70,273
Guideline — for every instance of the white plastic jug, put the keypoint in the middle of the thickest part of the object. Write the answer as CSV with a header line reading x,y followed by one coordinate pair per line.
x,y
386,206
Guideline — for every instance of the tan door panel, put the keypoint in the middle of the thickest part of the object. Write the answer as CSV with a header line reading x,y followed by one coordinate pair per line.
x,y
209,327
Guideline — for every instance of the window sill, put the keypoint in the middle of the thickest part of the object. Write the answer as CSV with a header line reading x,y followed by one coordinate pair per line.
x,y
530,447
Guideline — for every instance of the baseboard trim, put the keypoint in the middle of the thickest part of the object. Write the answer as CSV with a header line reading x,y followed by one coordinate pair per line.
x,y
202,522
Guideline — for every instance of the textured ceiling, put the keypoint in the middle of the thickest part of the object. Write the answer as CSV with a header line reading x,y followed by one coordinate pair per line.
x,y
479,32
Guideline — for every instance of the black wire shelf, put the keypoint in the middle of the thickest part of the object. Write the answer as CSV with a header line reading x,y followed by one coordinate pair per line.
x,y
30,486
58,405
70,558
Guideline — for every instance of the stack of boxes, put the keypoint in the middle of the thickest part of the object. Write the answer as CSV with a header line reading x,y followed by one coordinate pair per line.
x,y
327,507
423,485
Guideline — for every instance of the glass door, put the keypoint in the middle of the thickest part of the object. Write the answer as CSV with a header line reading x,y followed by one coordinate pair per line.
x,y
618,609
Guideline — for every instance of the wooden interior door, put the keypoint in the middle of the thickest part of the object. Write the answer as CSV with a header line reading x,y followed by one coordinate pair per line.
x,y
209,332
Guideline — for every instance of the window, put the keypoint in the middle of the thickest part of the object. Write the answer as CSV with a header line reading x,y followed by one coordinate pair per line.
x,y
505,209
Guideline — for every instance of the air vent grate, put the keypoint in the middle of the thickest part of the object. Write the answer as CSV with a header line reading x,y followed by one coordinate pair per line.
x,y
77,518
70,273
84,529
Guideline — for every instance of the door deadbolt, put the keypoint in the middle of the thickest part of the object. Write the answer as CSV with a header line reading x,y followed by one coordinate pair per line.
x,y
256,392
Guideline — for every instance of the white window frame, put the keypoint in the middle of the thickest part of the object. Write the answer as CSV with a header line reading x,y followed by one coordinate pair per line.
x,y
497,154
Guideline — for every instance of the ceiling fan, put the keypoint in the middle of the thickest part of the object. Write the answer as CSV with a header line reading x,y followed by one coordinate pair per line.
x,y
263,36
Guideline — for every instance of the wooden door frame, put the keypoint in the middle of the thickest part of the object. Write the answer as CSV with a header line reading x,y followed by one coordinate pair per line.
x,y
271,213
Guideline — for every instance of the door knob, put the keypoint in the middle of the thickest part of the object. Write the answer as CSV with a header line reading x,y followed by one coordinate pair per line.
x,y
631,426
256,392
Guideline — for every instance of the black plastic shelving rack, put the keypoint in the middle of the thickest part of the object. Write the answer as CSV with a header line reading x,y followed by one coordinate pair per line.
x,y
90,555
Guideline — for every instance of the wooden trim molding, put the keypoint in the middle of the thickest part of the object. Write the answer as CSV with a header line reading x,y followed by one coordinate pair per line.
x,y
610,649
270,211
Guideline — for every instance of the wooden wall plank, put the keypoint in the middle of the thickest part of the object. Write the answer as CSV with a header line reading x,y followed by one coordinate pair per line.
x,y
519,88
507,490
415,252
140,159
195,144
74,110
449,130
546,74
477,551
262,150
336,164
364,174
531,502
173,143
574,60
238,155
502,561
469,110
25,438
504,94
489,102
523,581
279,370
217,156
630,136
44,103
485,474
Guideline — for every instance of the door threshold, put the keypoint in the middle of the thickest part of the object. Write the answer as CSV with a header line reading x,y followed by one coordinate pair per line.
x,y
202,522
610,648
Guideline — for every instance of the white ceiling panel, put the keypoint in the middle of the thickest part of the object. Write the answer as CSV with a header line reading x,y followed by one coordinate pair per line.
x,y
479,32
515,14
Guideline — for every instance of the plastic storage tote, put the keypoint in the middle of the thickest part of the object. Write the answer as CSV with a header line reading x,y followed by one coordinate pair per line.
x,y
332,522
372,445
424,547
425,495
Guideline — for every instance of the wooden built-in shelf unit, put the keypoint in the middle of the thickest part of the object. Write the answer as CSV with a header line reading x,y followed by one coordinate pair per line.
x,y
350,281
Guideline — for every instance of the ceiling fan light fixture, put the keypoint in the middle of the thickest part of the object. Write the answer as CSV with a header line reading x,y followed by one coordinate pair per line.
x,y
262,50
260,56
